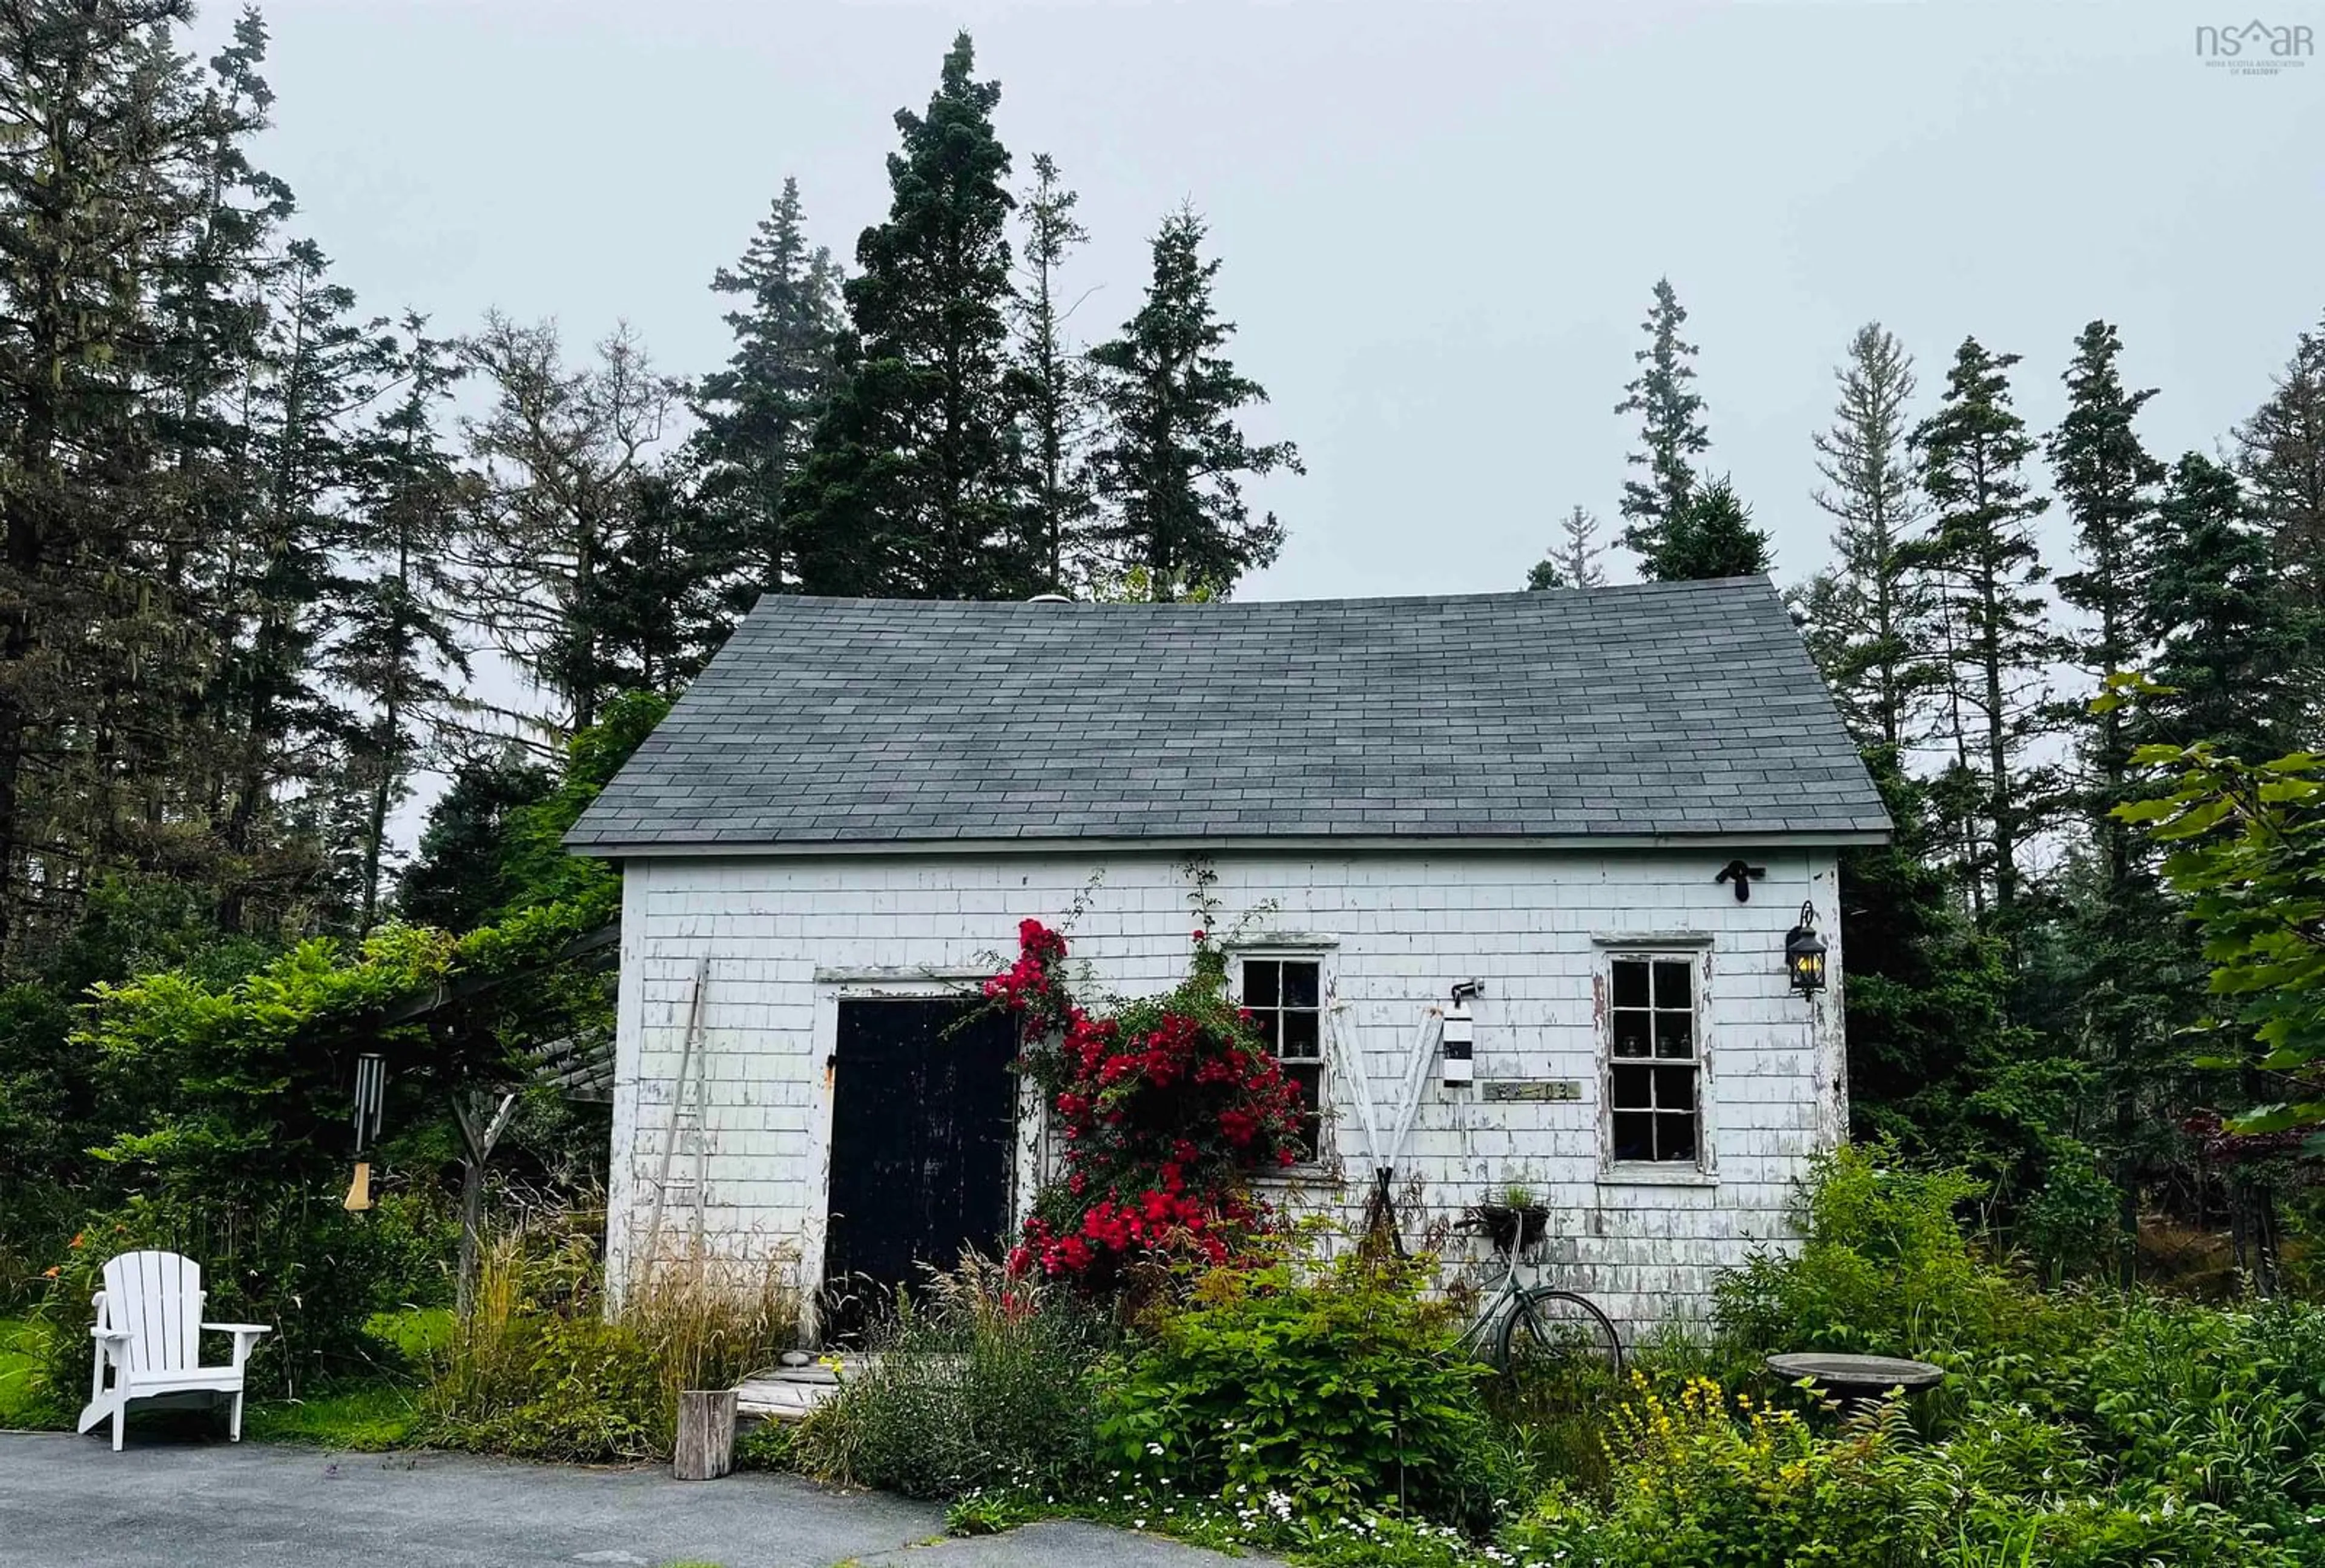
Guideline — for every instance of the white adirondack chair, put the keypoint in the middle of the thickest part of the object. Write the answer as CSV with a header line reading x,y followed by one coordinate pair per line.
x,y
149,1327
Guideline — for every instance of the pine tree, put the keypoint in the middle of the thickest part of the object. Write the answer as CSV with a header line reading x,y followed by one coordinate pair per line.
x,y
2107,482
396,597
1671,426
758,413
1573,560
1711,536
1171,459
1869,618
912,485
1987,584
1051,383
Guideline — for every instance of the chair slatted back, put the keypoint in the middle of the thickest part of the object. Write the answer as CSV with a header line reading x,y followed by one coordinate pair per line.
x,y
156,1298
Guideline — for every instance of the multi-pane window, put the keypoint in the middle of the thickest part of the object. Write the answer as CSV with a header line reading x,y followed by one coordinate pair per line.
x,y
1655,1061
1285,997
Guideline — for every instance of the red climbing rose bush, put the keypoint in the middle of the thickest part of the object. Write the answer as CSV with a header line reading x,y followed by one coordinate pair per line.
x,y
1168,1106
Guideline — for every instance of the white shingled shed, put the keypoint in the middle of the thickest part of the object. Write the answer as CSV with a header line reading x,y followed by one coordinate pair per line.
x,y
837,830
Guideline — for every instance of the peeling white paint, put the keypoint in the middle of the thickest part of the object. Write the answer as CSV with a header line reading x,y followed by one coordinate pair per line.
x,y
792,935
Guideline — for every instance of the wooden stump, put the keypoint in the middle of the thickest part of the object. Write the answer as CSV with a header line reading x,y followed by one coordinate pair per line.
x,y
705,1434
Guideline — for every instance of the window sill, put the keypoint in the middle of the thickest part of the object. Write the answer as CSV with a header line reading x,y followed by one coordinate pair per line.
x,y
1643,1176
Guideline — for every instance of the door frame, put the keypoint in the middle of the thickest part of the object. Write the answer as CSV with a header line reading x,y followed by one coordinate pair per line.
x,y
831,989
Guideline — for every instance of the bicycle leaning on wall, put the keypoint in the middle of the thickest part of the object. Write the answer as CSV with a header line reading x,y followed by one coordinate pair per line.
x,y
1529,1329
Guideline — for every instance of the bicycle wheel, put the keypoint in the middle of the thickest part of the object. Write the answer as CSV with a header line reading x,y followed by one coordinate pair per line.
x,y
1554,1332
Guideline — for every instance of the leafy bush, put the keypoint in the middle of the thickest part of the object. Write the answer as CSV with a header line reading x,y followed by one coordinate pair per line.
x,y
1696,1484
1884,1266
2219,1407
1337,1384
538,1370
2072,1223
987,1382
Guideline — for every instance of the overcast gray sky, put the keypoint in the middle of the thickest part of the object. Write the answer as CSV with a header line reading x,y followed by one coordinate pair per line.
x,y
1439,223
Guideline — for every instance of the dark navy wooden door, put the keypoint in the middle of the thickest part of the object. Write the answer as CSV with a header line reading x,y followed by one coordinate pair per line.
x,y
923,1108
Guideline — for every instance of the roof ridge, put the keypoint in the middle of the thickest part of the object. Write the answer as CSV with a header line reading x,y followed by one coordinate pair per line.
x,y
1658,708
1544,597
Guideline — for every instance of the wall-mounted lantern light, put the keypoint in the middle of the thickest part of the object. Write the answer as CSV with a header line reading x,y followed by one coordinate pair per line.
x,y
1804,955
1459,1044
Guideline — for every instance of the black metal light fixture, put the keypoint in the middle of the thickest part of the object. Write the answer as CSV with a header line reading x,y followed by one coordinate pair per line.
x,y
1804,955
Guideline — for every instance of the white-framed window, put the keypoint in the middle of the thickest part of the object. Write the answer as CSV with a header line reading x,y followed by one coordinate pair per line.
x,y
1655,1062
1284,994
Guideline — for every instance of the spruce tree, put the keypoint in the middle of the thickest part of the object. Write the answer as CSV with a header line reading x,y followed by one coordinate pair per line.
x,y
395,596
118,149
284,725
2281,456
1050,384
2232,646
2106,480
1671,425
1869,621
1987,577
1711,536
656,617
1926,991
759,412
1172,458
913,485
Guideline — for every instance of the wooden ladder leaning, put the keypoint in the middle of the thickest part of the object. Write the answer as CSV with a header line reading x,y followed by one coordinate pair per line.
x,y
687,1095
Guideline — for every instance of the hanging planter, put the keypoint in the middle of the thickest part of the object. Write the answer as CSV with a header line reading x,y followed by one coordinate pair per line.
x,y
1511,1228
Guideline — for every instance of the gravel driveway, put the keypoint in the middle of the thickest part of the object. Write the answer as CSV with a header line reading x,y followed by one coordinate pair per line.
x,y
71,1502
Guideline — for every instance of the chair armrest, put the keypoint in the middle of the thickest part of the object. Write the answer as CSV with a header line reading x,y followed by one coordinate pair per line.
x,y
241,1327
105,1333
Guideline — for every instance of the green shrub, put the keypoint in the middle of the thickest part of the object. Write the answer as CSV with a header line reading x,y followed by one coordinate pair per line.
x,y
1336,1385
1697,1482
2105,1531
2071,1225
2225,1407
540,1370
984,1382
1883,1267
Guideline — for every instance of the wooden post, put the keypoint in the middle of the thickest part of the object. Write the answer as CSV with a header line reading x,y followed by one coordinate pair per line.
x,y
705,1434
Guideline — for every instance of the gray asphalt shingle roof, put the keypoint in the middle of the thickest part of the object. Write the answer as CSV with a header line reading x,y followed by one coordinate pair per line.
x,y
1660,709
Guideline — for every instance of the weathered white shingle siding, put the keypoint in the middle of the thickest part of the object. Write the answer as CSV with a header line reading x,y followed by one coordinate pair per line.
x,y
788,936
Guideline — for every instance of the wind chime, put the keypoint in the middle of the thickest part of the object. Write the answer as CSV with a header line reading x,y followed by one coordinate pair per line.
x,y
371,1093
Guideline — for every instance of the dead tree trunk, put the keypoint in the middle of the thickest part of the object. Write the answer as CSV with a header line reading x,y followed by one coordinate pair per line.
x,y
479,1131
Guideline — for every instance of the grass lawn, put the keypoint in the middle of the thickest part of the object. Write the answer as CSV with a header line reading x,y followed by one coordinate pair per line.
x,y
366,1416
15,1373
370,1415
